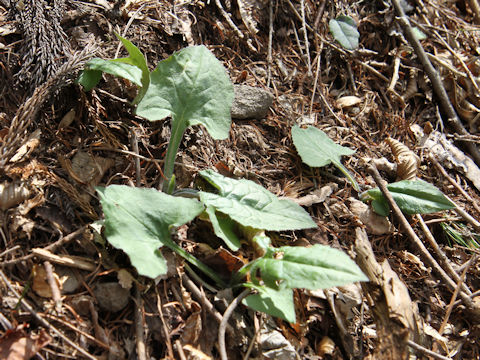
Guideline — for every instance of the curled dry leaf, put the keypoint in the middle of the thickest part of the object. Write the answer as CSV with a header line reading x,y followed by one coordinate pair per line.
x,y
12,194
407,161
326,346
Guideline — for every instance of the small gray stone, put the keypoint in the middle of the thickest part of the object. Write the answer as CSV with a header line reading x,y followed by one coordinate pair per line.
x,y
111,296
250,102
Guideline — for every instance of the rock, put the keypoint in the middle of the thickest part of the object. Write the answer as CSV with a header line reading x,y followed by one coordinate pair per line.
x,y
111,296
250,102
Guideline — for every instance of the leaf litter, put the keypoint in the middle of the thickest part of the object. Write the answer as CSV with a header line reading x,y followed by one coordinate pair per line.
x,y
176,320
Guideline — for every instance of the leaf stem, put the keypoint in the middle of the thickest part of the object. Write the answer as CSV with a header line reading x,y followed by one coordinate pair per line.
x,y
194,261
348,175
178,128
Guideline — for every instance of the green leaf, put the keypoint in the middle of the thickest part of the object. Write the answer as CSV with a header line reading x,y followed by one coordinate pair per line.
x,y
317,150
95,67
344,30
138,221
137,59
316,267
274,302
411,196
249,204
193,87
89,79
224,228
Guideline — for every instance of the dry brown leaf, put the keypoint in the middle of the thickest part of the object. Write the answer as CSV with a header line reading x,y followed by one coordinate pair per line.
x,y
67,119
27,148
196,354
347,101
40,284
407,161
192,328
317,196
17,345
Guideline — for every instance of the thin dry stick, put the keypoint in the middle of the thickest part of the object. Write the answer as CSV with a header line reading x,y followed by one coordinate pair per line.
x,y
466,216
190,285
436,80
270,39
134,143
223,324
305,36
426,351
317,74
476,10
443,258
230,22
139,328
57,298
178,346
417,242
453,182
455,293
51,247
42,321
168,340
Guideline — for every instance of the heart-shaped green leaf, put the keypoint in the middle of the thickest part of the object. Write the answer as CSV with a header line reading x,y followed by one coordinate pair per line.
x,y
193,87
344,30
316,150
249,204
138,221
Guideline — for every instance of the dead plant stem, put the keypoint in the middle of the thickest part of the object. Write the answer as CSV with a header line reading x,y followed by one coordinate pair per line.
x,y
139,326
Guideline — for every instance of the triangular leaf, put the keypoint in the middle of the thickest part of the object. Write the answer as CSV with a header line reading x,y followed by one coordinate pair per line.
x,y
316,267
193,87
137,59
278,303
344,30
250,204
316,150
138,221
411,196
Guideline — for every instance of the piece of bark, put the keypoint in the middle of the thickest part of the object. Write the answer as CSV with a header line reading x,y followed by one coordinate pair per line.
x,y
396,317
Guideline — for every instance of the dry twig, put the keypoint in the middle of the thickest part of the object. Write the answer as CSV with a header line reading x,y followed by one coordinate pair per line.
x,y
224,322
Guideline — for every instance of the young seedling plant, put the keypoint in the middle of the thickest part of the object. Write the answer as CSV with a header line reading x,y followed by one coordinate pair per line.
x,y
192,87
